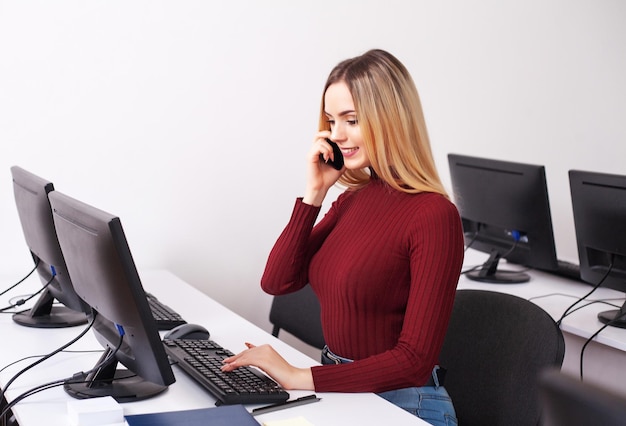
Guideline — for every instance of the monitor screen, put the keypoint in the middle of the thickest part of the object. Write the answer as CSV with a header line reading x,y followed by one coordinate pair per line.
x,y
599,207
505,211
33,208
100,262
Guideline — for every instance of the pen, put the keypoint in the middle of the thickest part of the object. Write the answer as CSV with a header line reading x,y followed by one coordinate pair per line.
x,y
287,404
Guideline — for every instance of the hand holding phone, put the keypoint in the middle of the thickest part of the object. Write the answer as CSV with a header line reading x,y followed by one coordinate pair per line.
x,y
337,163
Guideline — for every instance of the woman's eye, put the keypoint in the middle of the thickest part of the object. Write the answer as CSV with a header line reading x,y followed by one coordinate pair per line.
x,y
353,122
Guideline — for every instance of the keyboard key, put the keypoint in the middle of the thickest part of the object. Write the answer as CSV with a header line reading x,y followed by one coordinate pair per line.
x,y
166,318
202,360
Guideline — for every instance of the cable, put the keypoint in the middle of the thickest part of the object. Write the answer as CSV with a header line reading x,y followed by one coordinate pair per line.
x,y
39,361
468,245
55,383
592,302
28,393
20,360
513,247
582,351
567,311
22,280
571,296
41,356
22,301
471,268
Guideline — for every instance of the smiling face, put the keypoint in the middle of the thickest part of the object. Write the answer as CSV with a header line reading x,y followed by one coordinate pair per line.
x,y
344,125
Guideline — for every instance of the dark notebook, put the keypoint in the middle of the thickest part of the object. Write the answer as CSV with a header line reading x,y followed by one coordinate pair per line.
x,y
225,415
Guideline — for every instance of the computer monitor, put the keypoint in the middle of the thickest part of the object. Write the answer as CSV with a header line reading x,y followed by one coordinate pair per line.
x,y
505,211
599,207
33,208
100,263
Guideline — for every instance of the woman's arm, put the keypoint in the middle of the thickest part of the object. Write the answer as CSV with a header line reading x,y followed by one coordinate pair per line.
x,y
286,269
436,262
268,360
436,256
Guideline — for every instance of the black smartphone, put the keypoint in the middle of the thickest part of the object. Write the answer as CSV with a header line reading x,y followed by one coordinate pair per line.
x,y
337,163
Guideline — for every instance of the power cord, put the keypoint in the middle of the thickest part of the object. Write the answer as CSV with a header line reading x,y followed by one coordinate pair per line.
x,y
582,351
468,245
22,280
568,311
41,356
48,356
70,380
21,301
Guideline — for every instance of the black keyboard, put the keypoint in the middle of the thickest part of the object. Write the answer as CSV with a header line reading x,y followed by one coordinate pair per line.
x,y
202,360
567,269
165,317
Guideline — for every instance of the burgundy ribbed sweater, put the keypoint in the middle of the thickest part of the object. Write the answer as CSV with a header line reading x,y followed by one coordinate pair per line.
x,y
384,265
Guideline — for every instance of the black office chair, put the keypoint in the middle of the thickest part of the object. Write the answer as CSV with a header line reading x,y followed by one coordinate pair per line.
x,y
566,401
495,348
298,313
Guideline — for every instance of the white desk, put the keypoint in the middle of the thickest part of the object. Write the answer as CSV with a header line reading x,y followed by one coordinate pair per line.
x,y
605,357
226,328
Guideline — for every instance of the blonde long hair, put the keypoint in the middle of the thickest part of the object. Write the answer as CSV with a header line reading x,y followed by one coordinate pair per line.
x,y
392,123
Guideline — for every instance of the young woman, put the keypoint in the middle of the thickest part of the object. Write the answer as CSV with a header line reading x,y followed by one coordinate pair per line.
x,y
385,260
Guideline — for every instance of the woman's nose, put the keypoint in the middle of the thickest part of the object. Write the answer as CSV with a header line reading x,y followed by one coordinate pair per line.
x,y
337,133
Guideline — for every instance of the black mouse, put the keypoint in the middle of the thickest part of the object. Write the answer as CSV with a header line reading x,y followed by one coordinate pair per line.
x,y
188,332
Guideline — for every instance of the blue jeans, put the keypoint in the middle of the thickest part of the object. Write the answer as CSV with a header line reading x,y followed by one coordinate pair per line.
x,y
430,403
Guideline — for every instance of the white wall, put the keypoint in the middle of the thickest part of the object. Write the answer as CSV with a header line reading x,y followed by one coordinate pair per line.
x,y
190,119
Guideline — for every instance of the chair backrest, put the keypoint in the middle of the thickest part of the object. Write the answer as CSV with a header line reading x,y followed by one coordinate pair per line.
x,y
298,313
495,348
567,401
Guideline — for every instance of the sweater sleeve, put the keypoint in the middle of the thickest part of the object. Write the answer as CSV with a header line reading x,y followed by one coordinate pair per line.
x,y
436,256
287,264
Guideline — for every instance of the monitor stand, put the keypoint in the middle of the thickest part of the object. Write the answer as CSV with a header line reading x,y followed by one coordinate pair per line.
x,y
106,380
44,315
614,317
489,273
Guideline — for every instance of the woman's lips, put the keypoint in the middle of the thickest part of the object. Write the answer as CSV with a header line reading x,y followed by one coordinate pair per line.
x,y
349,152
